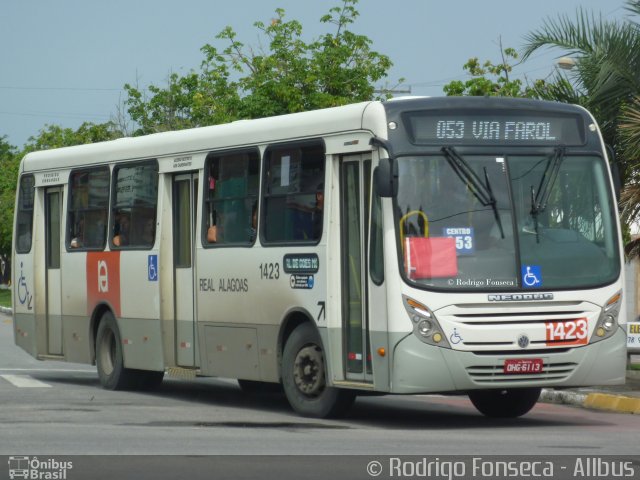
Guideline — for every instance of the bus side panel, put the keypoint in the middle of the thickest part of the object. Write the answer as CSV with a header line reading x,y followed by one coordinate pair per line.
x,y
248,288
24,318
76,329
232,351
139,321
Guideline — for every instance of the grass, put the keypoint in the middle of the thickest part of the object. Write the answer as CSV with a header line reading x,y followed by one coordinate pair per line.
x,y
5,298
634,366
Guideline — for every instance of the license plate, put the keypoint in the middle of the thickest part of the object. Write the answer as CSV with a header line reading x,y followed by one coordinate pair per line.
x,y
519,366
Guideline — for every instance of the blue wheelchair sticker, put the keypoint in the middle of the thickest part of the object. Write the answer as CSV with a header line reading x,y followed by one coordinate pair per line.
x,y
152,268
531,276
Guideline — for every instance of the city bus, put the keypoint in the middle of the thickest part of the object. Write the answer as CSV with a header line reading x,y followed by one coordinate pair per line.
x,y
420,245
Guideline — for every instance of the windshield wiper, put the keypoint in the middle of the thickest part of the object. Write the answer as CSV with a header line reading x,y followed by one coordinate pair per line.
x,y
483,192
540,198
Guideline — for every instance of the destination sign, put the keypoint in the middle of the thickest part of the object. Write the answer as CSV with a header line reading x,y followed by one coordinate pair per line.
x,y
517,127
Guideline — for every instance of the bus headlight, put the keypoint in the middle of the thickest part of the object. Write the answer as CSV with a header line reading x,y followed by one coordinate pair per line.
x,y
608,320
425,324
424,328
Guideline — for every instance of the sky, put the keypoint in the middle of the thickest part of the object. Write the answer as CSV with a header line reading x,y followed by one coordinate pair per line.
x,y
63,62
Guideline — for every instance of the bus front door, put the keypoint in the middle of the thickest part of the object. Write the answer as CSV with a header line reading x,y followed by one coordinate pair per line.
x,y
53,221
355,186
185,193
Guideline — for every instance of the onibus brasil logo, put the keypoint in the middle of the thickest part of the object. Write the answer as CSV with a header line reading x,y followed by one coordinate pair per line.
x,y
35,469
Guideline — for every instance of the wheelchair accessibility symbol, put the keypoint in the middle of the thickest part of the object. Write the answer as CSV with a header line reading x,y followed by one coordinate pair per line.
x,y
152,268
531,276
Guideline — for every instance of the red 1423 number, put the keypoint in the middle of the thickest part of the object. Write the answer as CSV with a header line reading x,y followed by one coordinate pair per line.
x,y
567,332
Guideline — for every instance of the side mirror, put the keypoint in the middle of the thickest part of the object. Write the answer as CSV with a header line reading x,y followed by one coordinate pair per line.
x,y
615,171
385,178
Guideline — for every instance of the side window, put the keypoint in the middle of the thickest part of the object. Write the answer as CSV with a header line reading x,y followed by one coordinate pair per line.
x,y
376,265
24,218
231,198
88,209
293,194
134,207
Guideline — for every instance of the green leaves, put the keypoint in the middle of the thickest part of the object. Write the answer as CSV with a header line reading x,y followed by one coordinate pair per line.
x,y
288,74
606,80
9,163
489,79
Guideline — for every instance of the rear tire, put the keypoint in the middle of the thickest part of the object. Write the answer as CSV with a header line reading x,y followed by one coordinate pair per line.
x,y
109,360
304,377
509,403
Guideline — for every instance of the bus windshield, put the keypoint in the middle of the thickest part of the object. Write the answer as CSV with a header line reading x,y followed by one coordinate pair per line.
x,y
506,222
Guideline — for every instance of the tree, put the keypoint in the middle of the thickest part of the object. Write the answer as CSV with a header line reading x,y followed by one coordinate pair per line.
x,y
490,79
9,162
606,80
289,75
606,76
52,136
495,79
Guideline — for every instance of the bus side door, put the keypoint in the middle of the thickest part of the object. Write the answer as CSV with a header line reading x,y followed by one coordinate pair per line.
x,y
185,194
355,188
53,230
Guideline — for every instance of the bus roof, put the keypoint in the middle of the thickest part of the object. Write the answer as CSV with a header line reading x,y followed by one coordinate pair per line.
x,y
365,115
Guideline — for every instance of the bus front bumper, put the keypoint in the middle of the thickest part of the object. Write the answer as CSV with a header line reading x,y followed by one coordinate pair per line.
x,y
421,368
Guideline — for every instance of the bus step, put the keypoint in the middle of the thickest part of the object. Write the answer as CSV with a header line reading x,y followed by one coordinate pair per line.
x,y
352,384
43,357
185,373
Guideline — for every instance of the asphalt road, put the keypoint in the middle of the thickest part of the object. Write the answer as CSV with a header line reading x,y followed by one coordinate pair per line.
x,y
57,408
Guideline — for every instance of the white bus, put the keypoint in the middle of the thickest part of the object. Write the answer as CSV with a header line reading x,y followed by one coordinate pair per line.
x,y
456,245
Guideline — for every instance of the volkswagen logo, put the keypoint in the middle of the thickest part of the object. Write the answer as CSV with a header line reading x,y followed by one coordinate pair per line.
x,y
523,341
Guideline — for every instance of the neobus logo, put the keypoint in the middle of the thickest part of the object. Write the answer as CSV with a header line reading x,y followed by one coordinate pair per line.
x,y
520,297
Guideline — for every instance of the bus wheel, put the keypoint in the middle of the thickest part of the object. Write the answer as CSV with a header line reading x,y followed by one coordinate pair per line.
x,y
509,403
304,377
111,371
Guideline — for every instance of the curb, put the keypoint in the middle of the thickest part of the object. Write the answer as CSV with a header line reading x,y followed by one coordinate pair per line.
x,y
564,397
614,403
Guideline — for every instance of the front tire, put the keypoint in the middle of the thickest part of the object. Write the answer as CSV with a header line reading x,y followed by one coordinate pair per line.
x,y
509,403
304,377
109,360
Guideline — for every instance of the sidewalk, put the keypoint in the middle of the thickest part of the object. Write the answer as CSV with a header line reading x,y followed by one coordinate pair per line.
x,y
619,398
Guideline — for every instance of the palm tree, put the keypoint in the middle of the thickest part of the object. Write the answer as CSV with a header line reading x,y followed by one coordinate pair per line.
x,y
605,80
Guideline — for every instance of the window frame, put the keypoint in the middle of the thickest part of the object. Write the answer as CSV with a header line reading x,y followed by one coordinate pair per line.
x,y
265,195
211,156
112,205
20,210
68,236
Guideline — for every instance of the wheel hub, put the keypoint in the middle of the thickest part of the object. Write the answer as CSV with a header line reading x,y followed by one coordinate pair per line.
x,y
308,371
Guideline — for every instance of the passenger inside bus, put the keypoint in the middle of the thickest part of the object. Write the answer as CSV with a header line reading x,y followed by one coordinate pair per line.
x,y
317,213
121,230
253,230
148,232
78,240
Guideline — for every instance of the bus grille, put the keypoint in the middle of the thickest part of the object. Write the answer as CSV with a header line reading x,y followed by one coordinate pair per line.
x,y
483,328
492,375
